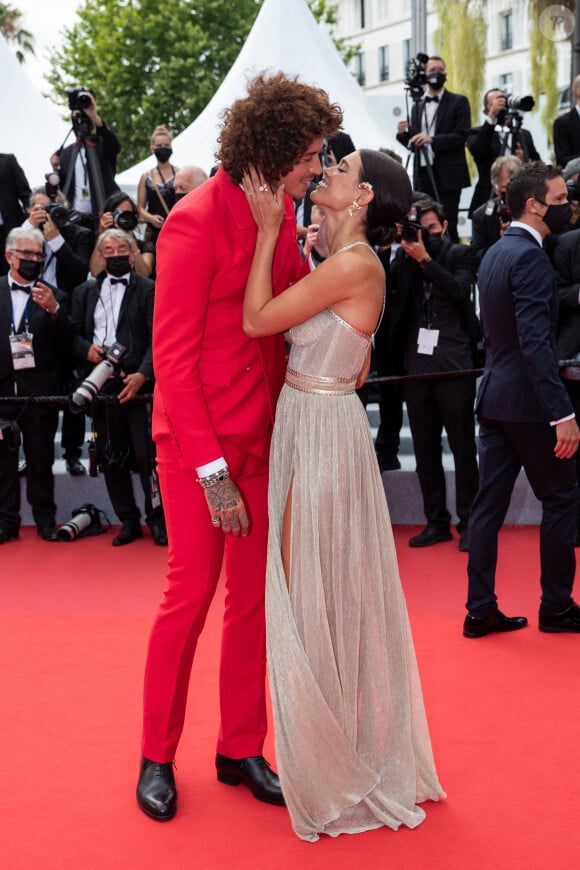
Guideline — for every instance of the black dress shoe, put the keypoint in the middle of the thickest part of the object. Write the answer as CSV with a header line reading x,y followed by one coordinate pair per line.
x,y
6,536
156,791
75,467
475,626
47,533
390,463
255,772
463,545
567,621
129,532
430,535
158,533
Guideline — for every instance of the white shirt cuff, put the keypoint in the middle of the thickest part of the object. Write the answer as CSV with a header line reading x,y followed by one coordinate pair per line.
x,y
211,467
563,420
56,243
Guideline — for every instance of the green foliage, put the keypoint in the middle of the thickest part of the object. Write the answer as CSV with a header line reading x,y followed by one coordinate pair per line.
x,y
152,63
543,63
12,32
462,42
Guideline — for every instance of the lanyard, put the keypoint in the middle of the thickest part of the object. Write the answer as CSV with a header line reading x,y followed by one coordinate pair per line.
x,y
25,315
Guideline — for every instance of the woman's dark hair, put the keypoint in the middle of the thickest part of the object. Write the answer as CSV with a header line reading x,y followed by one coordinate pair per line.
x,y
274,125
115,199
393,195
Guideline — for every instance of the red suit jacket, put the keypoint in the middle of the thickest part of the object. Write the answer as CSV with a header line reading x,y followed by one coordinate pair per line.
x,y
211,380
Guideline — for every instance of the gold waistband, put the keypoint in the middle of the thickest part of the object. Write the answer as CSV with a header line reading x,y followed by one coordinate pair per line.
x,y
321,386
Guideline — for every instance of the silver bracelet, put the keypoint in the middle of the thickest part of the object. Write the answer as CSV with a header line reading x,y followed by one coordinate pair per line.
x,y
212,479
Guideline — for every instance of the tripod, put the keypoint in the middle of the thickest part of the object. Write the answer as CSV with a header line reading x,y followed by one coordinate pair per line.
x,y
82,127
422,151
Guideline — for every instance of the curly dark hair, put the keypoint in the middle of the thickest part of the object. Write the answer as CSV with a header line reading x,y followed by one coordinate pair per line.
x,y
114,200
274,125
392,195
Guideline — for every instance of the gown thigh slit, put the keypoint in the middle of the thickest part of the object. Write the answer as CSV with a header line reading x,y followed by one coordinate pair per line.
x,y
352,744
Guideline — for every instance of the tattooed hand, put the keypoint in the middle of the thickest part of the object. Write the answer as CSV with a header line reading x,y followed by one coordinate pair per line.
x,y
227,508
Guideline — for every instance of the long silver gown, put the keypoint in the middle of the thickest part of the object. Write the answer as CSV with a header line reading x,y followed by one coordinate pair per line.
x,y
352,744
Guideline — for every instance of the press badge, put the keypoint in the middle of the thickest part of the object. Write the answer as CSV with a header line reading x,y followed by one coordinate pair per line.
x,y
21,350
427,341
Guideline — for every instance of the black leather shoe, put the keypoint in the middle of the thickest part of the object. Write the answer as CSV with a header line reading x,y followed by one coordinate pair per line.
x,y
255,772
430,535
475,626
129,533
390,463
156,791
463,545
567,621
75,467
158,533
6,536
47,533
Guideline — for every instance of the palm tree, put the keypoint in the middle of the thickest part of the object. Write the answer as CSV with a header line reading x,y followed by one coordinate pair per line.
x,y
12,32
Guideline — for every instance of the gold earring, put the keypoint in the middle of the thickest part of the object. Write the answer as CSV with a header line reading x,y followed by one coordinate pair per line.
x,y
353,208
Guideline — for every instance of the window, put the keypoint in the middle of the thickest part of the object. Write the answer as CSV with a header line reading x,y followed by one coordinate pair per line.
x,y
406,53
505,81
507,33
362,15
360,74
384,63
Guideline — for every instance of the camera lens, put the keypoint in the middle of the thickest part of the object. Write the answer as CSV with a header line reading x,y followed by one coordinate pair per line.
x,y
125,220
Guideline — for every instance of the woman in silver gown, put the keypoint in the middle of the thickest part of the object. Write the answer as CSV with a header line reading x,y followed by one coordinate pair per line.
x,y
352,742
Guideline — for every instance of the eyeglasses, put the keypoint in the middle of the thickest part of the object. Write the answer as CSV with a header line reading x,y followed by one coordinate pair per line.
x,y
28,255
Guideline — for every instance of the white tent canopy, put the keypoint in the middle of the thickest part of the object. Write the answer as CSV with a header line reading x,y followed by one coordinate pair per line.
x,y
31,126
286,37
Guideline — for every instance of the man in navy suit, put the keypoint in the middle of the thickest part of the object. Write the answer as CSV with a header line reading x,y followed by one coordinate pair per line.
x,y
525,415
436,135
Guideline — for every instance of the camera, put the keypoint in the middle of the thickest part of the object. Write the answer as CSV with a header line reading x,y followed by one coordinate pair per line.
x,y
52,184
57,213
415,77
510,116
79,98
85,521
86,392
124,220
573,190
499,208
411,231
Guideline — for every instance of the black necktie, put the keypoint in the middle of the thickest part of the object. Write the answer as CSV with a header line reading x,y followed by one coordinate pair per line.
x,y
26,287
431,99
122,281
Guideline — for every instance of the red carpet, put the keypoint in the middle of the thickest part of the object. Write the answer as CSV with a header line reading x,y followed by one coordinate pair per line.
x,y
74,621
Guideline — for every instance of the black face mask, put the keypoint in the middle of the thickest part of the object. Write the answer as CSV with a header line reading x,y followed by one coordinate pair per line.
x,y
558,217
163,154
437,80
179,196
118,266
433,242
31,270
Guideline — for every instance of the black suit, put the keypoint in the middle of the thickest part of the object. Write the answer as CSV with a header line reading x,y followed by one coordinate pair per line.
x,y
567,137
123,431
485,145
434,404
108,148
520,395
51,344
452,121
14,196
485,231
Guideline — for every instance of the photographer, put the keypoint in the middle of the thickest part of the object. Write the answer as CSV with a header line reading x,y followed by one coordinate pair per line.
x,y
501,134
491,220
432,279
14,195
566,129
67,248
35,337
436,135
87,176
117,308
119,211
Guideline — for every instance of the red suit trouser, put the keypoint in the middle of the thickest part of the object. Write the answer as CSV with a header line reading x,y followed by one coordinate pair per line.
x,y
196,553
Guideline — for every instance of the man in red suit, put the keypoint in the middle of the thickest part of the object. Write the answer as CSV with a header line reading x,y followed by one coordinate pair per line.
x,y
215,397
